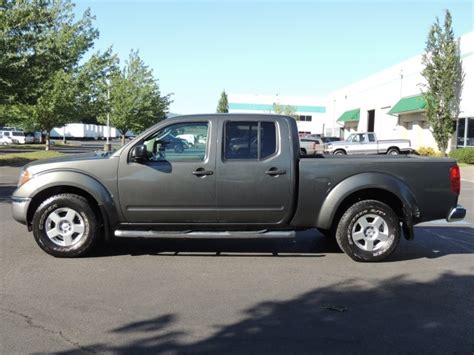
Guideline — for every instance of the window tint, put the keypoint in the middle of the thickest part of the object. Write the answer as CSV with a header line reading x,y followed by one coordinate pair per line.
x,y
371,138
178,142
267,139
243,140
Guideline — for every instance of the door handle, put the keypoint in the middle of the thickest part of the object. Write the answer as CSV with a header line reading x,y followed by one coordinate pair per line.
x,y
275,172
201,172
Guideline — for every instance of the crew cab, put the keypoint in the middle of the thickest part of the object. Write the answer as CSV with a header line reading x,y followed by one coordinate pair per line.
x,y
244,178
367,143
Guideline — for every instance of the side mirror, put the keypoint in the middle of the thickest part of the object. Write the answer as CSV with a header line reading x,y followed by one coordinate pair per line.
x,y
139,154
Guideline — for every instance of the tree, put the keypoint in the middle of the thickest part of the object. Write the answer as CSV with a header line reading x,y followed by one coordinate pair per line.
x,y
41,45
287,110
135,101
223,104
54,108
444,79
38,38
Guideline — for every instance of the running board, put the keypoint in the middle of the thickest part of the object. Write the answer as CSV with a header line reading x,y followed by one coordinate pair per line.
x,y
205,234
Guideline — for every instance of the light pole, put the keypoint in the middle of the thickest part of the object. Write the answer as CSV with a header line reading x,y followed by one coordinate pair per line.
x,y
108,146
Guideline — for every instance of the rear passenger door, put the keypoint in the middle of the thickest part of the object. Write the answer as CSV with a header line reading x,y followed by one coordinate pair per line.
x,y
254,172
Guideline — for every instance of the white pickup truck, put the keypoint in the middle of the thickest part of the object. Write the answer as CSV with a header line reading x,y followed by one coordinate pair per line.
x,y
367,143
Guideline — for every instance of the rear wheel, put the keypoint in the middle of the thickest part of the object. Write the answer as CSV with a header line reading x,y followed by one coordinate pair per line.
x,y
368,231
393,151
303,151
65,226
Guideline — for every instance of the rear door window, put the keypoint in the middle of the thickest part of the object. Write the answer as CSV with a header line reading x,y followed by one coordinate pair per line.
x,y
249,140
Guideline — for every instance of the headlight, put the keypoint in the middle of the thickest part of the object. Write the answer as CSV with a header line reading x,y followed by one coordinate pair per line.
x,y
25,176
329,146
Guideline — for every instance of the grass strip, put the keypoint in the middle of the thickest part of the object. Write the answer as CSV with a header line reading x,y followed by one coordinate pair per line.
x,y
19,159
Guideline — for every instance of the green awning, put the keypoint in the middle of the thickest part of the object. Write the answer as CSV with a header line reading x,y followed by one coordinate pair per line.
x,y
409,105
348,116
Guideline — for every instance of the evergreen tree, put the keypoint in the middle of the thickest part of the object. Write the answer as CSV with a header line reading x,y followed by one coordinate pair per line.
x,y
223,104
444,79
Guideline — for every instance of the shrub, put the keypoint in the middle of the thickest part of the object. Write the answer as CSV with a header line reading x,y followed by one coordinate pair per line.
x,y
463,155
429,152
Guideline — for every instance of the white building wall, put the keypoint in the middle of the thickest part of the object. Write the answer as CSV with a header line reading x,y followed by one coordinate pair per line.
x,y
382,90
248,103
378,92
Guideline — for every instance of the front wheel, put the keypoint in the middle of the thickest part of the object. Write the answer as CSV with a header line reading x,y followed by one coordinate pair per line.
x,y
339,152
368,231
65,226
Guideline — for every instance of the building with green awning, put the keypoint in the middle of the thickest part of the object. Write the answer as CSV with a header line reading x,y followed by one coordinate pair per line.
x,y
350,116
411,104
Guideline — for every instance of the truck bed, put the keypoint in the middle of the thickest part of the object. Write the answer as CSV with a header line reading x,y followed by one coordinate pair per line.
x,y
319,174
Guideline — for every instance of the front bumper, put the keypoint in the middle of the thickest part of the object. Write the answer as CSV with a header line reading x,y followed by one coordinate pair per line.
x,y
456,214
20,208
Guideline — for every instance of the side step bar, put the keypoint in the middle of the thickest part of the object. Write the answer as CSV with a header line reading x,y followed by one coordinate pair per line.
x,y
205,234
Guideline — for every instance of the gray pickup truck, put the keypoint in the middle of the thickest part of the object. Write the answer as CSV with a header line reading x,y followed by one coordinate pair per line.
x,y
244,178
367,143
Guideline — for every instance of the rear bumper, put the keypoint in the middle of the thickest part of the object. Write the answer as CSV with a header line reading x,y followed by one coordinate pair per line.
x,y
20,208
456,214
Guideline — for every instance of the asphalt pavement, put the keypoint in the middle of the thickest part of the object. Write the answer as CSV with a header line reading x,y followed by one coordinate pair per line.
x,y
253,297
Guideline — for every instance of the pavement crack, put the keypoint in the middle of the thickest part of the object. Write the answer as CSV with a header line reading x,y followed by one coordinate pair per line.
x,y
29,320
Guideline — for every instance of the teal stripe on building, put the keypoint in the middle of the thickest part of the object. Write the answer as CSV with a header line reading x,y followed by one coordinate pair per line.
x,y
268,108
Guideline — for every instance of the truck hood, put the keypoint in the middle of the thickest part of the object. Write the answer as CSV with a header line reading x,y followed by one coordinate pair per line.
x,y
44,164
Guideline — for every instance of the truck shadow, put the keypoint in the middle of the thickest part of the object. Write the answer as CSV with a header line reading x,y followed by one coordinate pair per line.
x,y
299,247
396,314
430,243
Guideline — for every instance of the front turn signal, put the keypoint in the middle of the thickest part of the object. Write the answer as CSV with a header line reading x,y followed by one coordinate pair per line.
x,y
24,177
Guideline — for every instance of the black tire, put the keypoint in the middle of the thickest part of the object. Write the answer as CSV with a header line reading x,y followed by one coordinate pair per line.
x,y
85,216
365,249
393,151
303,151
178,148
339,152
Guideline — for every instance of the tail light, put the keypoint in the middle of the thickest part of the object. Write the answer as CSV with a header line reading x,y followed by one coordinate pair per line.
x,y
455,177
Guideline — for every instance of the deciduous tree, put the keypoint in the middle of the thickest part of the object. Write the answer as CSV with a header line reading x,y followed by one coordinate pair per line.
x,y
135,100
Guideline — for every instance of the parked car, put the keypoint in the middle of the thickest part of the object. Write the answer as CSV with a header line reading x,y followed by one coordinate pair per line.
x,y
311,146
367,143
309,136
22,138
365,202
330,139
7,137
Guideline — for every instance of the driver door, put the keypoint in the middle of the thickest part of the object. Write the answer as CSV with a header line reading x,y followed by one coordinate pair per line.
x,y
176,184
